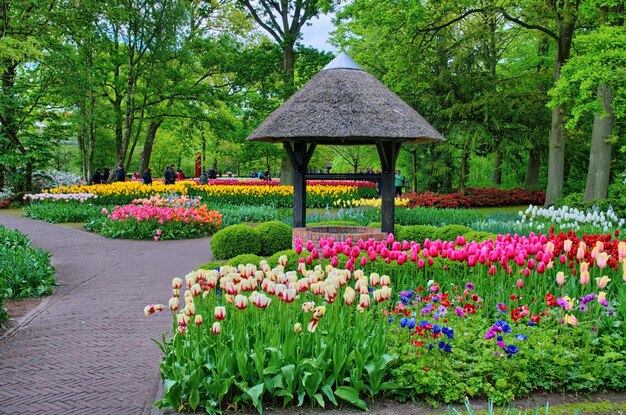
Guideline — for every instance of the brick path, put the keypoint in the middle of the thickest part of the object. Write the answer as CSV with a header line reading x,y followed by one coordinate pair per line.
x,y
88,350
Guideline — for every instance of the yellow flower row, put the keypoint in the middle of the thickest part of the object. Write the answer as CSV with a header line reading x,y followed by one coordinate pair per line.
x,y
375,203
126,189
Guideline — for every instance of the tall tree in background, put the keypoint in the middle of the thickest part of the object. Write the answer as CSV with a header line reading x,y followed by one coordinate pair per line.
x,y
593,82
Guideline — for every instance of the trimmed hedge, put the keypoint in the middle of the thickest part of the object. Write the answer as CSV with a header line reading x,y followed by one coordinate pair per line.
x,y
245,259
292,259
478,236
417,233
235,240
275,236
450,232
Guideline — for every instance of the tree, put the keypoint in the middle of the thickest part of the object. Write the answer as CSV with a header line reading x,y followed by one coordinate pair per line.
x,y
592,80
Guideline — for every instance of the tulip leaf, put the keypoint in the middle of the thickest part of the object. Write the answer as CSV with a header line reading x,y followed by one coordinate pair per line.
x,y
255,393
320,399
194,398
351,395
329,394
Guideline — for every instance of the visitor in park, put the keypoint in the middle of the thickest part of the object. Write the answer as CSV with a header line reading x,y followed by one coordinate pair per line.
x,y
147,176
97,177
259,174
166,175
266,176
399,182
120,175
180,175
204,177
106,174
212,174
172,174
135,175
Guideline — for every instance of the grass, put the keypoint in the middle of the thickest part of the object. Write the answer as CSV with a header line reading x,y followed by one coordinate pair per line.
x,y
501,209
587,408
12,212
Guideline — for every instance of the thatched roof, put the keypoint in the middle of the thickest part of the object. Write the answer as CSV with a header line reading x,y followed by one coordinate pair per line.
x,y
343,104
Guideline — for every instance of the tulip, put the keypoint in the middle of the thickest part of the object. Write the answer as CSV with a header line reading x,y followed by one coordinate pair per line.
x,y
560,278
584,266
580,254
289,295
260,300
217,328
601,297
319,311
624,269
173,304
152,308
374,279
190,309
520,283
571,320
297,328
621,251
198,320
196,290
601,259
177,283
385,280
567,245
602,282
219,313
349,295
364,300
584,277
241,301
313,325
182,319
308,306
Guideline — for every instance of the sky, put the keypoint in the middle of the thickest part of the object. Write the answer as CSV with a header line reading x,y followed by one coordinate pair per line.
x,y
317,34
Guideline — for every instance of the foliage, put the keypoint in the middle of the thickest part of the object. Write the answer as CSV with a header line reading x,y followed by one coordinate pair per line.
x,y
64,212
24,271
437,217
331,222
450,232
417,233
235,240
478,236
243,259
275,236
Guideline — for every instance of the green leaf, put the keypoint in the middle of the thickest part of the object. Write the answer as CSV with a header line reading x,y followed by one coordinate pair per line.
x,y
194,398
255,393
320,399
350,395
329,394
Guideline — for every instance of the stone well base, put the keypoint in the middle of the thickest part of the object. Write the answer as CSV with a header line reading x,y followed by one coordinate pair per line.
x,y
339,233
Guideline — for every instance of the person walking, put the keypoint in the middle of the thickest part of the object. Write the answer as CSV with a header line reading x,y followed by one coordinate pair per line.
x,y
172,174
180,175
120,175
97,177
399,182
106,174
147,176
204,177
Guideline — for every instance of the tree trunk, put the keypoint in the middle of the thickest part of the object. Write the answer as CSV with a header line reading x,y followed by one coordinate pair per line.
x,y
147,145
556,156
82,138
532,169
463,170
497,169
289,59
600,155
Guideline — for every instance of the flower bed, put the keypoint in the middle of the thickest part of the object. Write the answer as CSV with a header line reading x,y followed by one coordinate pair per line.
x,y
156,220
67,197
498,319
478,197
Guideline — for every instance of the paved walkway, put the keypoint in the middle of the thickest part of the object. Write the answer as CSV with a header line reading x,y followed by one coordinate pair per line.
x,y
88,348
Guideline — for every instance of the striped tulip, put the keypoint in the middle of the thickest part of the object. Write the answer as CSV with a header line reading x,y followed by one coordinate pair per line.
x,y
182,319
190,309
290,295
313,325
297,328
173,304
196,290
364,300
152,308
241,301
177,283
385,280
308,306
219,313
319,311
198,320
217,328
349,295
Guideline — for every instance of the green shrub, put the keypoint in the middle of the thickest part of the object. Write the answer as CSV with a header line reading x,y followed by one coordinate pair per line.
x,y
573,200
245,259
478,236
235,240
450,232
417,233
275,236
375,225
292,259
617,199
212,265
4,316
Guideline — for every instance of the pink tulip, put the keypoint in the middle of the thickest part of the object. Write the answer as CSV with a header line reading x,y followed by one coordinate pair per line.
x,y
584,277
560,278
520,283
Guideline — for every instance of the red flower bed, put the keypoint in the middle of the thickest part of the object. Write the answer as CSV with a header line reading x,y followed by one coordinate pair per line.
x,y
478,197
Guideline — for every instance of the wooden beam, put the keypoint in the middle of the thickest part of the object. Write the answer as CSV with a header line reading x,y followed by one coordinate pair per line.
x,y
389,151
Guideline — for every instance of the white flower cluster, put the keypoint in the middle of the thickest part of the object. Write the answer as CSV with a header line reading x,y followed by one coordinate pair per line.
x,y
56,178
81,197
6,194
572,218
